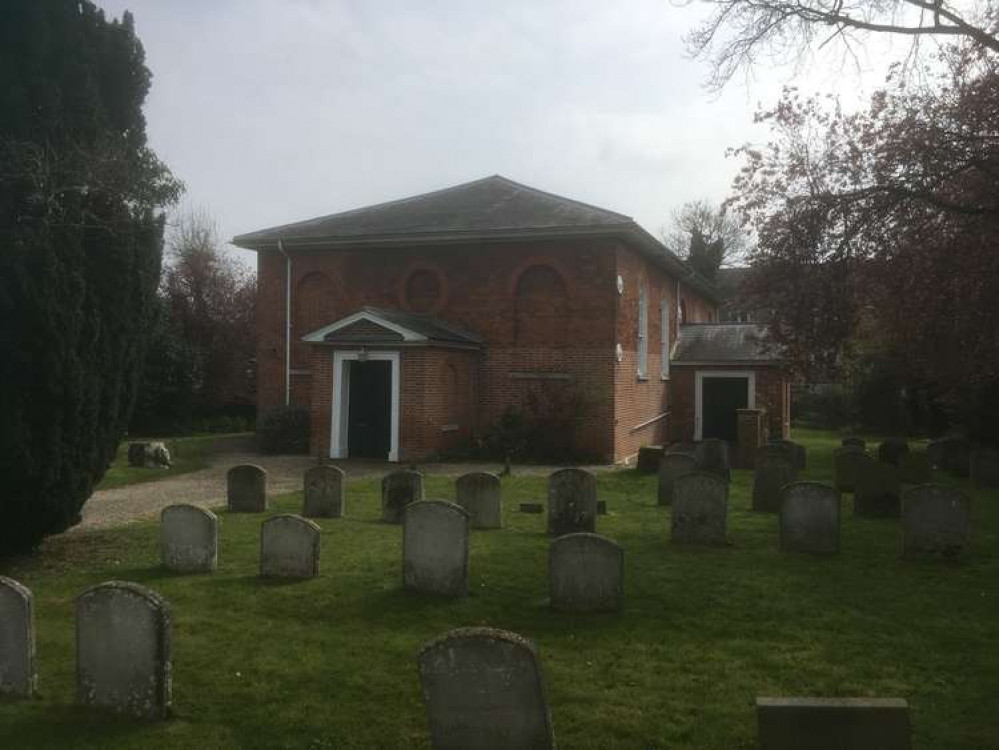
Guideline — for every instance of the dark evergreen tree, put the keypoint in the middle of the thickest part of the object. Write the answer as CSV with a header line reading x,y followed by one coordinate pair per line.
x,y
80,253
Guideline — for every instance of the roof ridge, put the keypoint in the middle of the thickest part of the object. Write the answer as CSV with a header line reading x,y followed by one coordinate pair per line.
x,y
548,194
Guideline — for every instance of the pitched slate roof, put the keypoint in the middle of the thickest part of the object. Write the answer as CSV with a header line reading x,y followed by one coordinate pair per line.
x,y
493,208
723,343
398,325
492,204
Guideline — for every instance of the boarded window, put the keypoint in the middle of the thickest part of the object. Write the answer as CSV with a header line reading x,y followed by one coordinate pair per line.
x,y
541,308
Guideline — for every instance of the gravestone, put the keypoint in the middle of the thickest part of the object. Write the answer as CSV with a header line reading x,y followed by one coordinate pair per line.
x,y
833,724
854,442
324,492
810,519
891,450
123,650
399,489
712,456
877,491
246,489
771,474
648,459
289,547
794,452
586,573
17,639
532,508
682,447
846,468
479,495
985,467
671,467
952,454
700,509
572,502
484,691
435,548
189,539
936,521
915,468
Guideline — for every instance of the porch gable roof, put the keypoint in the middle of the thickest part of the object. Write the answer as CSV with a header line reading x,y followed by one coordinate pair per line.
x,y
392,326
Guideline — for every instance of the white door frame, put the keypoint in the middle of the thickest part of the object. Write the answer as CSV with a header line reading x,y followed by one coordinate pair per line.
x,y
339,413
699,377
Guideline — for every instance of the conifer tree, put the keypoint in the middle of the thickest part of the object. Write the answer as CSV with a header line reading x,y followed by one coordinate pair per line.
x,y
81,234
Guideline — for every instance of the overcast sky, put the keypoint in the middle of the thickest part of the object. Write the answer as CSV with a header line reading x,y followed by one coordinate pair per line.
x,y
274,111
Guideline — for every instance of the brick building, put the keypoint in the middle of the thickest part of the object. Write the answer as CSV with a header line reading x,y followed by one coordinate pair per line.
x,y
410,326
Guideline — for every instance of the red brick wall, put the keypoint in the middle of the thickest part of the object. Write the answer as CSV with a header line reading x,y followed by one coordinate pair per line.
x,y
638,400
492,291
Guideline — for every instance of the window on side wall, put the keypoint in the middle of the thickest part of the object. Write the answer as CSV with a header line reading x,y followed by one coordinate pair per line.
x,y
664,338
643,332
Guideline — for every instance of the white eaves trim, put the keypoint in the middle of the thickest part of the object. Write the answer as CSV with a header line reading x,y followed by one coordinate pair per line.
x,y
365,315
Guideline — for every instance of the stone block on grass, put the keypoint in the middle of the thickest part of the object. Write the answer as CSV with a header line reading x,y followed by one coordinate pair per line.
x,y
833,724
648,459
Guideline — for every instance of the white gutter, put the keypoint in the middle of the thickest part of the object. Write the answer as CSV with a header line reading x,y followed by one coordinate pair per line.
x,y
287,324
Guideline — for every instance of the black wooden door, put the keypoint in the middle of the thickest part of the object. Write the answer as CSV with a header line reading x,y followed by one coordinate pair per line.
x,y
369,422
720,397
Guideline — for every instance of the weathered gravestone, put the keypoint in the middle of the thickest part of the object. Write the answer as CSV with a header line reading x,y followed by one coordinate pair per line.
x,y
700,509
936,521
810,519
712,456
833,724
479,494
123,650
435,548
854,442
399,489
846,468
586,573
891,450
671,467
289,547
878,489
772,472
794,452
17,639
985,467
572,502
324,491
189,539
484,691
149,455
915,468
246,489
952,454
648,459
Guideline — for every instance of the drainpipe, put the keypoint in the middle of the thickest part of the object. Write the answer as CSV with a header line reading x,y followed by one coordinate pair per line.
x,y
287,324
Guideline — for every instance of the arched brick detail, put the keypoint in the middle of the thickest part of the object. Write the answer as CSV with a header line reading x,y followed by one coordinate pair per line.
x,y
405,291
315,302
541,260
541,304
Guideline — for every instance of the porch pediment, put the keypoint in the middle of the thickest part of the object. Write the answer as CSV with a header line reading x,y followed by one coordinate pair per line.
x,y
377,326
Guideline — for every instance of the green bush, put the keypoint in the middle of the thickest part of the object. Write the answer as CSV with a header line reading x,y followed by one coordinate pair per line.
x,y
542,431
285,430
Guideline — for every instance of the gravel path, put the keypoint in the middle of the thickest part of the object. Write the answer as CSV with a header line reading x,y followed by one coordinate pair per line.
x,y
116,507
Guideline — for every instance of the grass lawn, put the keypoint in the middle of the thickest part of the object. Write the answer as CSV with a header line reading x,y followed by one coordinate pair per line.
x,y
330,663
187,454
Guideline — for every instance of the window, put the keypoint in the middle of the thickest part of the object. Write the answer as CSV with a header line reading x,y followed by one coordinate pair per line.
x,y
664,338
643,332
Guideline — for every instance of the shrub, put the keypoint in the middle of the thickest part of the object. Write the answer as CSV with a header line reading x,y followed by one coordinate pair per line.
x,y
285,430
543,431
